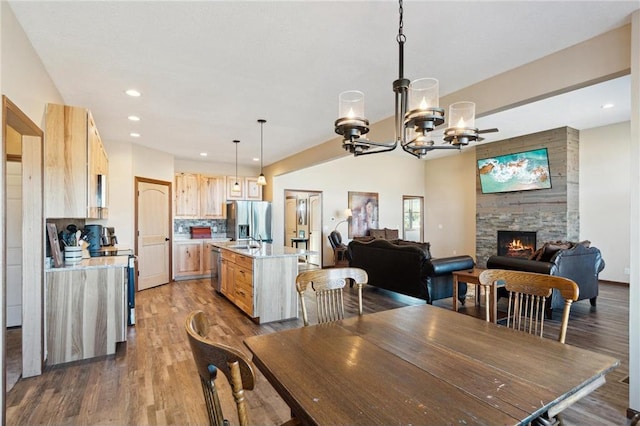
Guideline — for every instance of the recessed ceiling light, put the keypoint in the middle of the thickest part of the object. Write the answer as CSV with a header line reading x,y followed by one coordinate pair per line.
x,y
134,135
607,106
256,159
134,118
203,154
133,92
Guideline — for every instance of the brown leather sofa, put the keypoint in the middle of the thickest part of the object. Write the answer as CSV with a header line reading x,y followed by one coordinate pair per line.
x,y
408,268
579,263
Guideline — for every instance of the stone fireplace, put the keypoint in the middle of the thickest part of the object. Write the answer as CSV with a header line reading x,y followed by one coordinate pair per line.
x,y
553,214
516,243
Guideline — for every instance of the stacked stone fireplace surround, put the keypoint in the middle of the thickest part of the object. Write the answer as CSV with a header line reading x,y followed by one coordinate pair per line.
x,y
552,213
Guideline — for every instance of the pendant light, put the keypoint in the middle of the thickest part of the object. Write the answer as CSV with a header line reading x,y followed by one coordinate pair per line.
x,y
261,179
236,186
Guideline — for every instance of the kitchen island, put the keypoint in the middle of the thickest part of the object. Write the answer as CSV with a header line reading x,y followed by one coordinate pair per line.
x,y
260,279
86,308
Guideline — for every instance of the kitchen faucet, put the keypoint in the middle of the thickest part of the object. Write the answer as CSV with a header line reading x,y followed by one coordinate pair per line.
x,y
259,240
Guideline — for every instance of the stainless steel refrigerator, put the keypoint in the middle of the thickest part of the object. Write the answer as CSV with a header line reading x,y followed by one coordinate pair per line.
x,y
249,220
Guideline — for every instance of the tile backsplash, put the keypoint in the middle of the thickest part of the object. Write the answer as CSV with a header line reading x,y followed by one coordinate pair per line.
x,y
183,226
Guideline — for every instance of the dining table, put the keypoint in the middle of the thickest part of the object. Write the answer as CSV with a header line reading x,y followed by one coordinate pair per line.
x,y
423,364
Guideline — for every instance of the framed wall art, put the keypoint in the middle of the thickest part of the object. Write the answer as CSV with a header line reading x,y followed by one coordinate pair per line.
x,y
364,209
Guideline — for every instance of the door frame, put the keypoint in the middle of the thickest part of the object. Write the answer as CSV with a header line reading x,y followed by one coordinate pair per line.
x,y
297,193
32,230
136,229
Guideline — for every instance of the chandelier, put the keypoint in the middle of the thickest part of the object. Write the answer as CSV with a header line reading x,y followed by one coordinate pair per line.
x,y
417,114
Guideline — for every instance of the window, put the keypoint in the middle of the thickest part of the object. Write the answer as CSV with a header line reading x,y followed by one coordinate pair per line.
x,y
412,219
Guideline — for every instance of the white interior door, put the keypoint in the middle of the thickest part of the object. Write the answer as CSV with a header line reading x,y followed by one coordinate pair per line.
x,y
14,244
315,228
290,220
154,232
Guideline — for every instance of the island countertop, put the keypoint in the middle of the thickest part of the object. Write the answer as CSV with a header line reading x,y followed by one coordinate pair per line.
x,y
252,249
93,263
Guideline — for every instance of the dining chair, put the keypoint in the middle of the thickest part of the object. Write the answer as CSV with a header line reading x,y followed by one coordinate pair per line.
x,y
328,285
528,294
210,358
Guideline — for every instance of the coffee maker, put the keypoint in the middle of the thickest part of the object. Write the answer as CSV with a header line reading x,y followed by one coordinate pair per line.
x,y
108,237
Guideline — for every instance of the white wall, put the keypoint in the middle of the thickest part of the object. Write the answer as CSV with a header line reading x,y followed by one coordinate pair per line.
x,y
213,168
391,175
450,204
24,79
604,195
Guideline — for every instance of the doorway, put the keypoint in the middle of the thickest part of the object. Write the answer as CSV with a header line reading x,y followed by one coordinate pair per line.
x,y
303,221
22,164
412,218
153,230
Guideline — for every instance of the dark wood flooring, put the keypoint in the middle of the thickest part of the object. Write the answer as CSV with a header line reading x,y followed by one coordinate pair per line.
x,y
152,378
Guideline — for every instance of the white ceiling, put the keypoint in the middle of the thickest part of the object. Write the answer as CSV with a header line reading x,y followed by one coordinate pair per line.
x,y
209,69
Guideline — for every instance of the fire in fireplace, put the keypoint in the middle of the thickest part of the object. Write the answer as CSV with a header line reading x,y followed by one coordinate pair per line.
x,y
516,243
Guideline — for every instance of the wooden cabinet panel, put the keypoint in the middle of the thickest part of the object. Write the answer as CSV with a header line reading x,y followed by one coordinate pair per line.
x,y
86,312
98,165
188,258
232,194
237,280
74,157
212,197
207,259
254,191
187,195
65,151
228,285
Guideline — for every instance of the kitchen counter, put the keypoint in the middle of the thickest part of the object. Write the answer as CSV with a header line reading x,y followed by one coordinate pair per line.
x,y
86,308
94,263
264,251
260,280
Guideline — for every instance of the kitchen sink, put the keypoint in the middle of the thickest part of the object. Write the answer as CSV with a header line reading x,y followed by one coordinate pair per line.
x,y
245,246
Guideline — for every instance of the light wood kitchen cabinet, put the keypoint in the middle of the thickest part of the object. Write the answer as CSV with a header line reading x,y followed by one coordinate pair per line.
x,y
249,188
254,191
188,259
187,196
207,259
237,280
74,156
98,173
86,312
233,194
212,197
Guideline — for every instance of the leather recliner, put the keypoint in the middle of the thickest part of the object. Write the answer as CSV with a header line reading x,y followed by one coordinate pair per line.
x,y
578,263
407,267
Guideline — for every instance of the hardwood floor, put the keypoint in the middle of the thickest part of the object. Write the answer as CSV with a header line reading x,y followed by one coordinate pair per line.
x,y
152,378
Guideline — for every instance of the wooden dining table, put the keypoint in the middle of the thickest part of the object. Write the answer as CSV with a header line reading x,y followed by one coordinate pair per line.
x,y
423,365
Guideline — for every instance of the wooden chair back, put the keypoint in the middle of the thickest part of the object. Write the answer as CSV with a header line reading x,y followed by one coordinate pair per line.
x,y
210,358
528,294
328,285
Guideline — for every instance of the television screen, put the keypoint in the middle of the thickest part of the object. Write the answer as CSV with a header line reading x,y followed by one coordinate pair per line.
x,y
522,171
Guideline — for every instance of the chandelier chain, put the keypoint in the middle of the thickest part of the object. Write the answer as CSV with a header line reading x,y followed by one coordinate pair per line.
x,y
401,38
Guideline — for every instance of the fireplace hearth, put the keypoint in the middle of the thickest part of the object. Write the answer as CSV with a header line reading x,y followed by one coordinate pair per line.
x,y
516,243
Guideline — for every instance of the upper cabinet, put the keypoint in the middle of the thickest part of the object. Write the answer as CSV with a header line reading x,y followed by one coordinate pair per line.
x,y
199,196
76,165
212,197
187,195
248,188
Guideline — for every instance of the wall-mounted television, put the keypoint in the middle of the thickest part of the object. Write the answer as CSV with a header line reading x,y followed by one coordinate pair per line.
x,y
522,171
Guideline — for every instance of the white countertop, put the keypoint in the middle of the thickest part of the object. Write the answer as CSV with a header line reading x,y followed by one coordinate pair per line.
x,y
94,263
187,237
265,250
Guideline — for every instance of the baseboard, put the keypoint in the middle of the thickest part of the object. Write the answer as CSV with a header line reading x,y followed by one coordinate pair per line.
x,y
620,283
